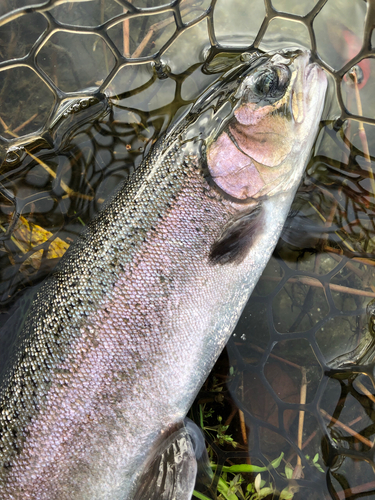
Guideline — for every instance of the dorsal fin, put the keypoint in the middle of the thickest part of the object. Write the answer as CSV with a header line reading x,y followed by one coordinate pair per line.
x,y
237,237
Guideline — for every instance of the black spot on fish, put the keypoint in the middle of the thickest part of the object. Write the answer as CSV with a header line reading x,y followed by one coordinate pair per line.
x,y
237,237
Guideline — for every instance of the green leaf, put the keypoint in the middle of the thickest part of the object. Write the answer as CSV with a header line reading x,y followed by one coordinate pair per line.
x,y
250,468
201,411
264,492
319,468
257,482
286,494
209,413
275,463
196,494
241,468
250,488
224,489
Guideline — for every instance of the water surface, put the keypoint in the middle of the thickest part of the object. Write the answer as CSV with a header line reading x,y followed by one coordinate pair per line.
x,y
141,70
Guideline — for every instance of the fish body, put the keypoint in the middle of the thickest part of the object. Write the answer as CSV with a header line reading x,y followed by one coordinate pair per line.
x,y
122,335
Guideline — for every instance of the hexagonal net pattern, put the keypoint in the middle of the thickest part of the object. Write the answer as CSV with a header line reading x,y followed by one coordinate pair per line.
x,y
86,88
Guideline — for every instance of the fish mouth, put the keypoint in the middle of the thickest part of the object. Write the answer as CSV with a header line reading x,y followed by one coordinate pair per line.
x,y
316,79
311,77
310,69
314,71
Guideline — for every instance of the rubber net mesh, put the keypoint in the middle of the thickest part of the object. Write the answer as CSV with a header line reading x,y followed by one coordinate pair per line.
x,y
87,87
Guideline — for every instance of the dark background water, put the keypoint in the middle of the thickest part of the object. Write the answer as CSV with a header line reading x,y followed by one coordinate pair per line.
x,y
142,69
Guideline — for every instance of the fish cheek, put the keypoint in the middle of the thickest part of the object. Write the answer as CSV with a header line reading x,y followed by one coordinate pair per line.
x,y
238,173
268,142
232,170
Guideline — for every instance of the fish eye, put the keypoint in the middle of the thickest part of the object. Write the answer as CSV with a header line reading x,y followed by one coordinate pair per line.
x,y
272,82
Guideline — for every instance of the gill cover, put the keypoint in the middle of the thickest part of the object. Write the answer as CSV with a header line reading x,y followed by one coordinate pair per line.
x,y
248,157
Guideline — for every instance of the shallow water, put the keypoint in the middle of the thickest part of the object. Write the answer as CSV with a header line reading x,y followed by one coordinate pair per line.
x,y
309,306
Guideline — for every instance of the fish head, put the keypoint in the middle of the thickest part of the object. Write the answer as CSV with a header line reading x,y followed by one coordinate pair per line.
x,y
263,148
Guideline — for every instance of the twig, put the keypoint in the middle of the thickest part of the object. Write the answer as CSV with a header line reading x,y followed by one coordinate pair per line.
x,y
152,30
355,421
349,265
6,128
63,185
304,444
318,284
231,415
301,413
17,129
336,232
243,426
338,251
15,241
242,416
366,391
157,27
311,437
20,127
356,490
346,428
126,35
303,393
287,362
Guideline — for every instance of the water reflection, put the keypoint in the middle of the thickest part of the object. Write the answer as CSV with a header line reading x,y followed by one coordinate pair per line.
x,y
286,385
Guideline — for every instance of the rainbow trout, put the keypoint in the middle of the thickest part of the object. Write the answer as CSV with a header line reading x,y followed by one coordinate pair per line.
x,y
122,335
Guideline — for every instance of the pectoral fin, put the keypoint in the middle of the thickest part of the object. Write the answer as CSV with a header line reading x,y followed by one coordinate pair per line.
x,y
171,474
237,237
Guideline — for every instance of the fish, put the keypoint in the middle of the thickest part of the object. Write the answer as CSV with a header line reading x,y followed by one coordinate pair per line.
x,y
121,336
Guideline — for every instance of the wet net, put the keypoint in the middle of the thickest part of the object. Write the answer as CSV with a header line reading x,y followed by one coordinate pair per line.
x,y
86,88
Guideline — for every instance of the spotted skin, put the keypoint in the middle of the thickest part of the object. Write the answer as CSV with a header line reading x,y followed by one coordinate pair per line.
x,y
121,336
